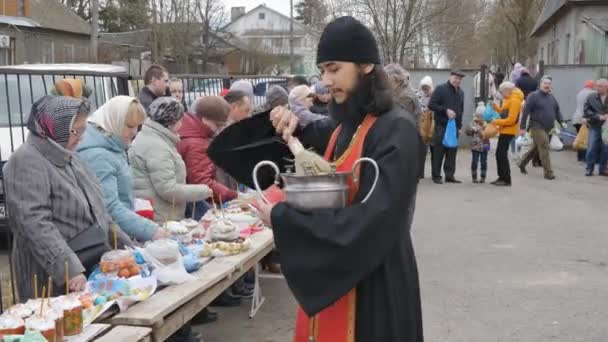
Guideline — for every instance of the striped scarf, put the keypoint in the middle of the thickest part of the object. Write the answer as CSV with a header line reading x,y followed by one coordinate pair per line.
x,y
52,117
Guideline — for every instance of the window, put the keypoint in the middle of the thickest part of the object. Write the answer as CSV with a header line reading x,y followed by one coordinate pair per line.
x,y
262,16
277,42
7,53
542,54
68,53
48,52
297,42
567,52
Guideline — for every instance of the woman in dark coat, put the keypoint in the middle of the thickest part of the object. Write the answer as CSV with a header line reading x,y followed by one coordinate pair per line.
x,y
53,200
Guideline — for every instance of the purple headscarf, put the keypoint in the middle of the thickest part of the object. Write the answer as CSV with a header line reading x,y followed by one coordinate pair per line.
x,y
52,117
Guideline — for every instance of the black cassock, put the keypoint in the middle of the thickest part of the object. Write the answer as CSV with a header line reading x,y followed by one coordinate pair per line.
x,y
326,253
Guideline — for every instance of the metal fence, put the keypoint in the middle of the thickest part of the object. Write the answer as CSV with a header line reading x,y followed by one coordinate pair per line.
x,y
568,80
19,89
196,86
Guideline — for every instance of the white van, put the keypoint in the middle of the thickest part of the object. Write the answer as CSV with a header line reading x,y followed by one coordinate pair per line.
x,y
22,85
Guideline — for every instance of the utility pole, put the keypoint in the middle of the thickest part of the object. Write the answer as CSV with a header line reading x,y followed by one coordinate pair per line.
x,y
94,29
291,61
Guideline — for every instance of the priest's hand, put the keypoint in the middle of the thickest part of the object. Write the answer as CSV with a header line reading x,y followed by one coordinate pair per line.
x,y
284,121
264,210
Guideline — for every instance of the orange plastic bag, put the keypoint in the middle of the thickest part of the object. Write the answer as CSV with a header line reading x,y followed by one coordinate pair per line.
x,y
580,143
426,126
490,131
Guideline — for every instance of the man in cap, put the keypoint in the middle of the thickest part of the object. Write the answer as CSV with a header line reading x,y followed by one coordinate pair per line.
x,y
353,270
447,103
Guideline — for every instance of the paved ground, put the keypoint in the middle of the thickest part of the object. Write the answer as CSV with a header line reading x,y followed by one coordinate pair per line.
x,y
526,263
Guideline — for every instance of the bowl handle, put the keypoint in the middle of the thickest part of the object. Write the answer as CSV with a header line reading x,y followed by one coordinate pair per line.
x,y
255,177
356,178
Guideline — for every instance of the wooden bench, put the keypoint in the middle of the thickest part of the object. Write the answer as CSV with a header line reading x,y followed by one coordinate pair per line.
x,y
171,308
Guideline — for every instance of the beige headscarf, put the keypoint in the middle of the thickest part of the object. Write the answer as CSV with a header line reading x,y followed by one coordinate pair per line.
x,y
112,116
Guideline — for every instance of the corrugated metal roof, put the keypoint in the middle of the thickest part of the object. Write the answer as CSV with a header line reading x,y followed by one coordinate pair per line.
x,y
53,15
552,7
18,21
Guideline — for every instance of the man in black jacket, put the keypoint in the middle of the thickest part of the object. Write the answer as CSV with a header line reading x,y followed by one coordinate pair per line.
x,y
156,80
526,83
448,103
596,113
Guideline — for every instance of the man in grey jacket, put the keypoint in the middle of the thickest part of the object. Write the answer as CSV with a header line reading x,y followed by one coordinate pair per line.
x,y
596,113
542,110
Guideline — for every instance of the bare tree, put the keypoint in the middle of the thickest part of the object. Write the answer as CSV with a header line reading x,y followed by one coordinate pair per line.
x,y
397,24
212,15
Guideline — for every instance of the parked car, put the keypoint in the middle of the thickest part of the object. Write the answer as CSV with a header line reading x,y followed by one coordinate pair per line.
x,y
22,85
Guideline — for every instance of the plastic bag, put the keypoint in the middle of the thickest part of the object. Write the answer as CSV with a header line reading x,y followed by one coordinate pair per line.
x,y
605,132
490,131
426,126
524,140
580,143
450,138
556,144
490,114
165,258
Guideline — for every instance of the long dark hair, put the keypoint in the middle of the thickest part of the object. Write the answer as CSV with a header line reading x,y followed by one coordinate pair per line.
x,y
376,93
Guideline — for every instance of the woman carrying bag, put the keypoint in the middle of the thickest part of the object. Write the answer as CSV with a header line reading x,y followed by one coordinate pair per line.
x,y
508,127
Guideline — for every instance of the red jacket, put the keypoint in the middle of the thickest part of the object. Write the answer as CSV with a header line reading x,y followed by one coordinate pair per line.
x,y
195,139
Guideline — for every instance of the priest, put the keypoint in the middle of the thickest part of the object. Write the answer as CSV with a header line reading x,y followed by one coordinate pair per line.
x,y
353,271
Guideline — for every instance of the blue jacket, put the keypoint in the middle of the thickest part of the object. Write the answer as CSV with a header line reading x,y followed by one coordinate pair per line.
x,y
107,158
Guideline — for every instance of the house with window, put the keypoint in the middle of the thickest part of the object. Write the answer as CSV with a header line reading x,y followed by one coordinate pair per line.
x,y
573,32
42,31
267,35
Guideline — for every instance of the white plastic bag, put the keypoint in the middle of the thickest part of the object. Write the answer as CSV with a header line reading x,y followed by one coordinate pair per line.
x,y
165,258
524,140
605,132
556,143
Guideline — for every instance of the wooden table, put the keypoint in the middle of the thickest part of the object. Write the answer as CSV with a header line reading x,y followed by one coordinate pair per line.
x,y
127,334
171,308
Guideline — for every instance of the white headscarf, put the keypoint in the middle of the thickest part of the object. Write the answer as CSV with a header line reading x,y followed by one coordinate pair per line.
x,y
111,117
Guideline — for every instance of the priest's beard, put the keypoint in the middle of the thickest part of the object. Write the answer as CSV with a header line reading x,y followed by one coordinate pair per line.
x,y
355,106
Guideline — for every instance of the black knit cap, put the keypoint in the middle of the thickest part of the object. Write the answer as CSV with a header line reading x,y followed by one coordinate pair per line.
x,y
347,40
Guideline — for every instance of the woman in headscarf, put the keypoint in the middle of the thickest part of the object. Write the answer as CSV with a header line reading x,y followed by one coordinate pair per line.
x,y
104,148
158,168
56,208
300,102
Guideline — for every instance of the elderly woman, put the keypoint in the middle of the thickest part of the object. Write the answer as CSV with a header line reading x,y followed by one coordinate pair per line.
x,y
508,126
404,96
56,209
104,148
159,170
300,102
321,101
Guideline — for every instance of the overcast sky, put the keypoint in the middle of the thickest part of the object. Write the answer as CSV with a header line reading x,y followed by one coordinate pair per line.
x,y
279,5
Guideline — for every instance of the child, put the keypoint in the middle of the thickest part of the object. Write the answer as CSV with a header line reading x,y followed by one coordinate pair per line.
x,y
479,147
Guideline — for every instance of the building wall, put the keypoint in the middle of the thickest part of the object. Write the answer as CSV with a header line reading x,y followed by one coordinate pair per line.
x,y
277,43
569,80
572,39
40,46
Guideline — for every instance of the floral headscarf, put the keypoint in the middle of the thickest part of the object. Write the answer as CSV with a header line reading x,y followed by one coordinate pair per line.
x,y
52,117
166,111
